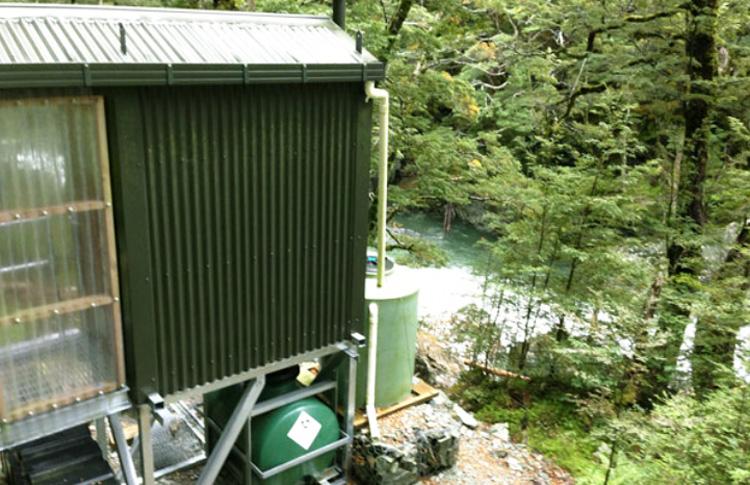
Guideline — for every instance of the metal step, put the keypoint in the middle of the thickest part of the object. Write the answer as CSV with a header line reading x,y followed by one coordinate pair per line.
x,y
69,457
331,476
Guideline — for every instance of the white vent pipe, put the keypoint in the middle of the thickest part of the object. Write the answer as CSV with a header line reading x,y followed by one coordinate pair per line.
x,y
381,94
372,362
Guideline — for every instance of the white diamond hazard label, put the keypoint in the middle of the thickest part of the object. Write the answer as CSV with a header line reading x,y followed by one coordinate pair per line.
x,y
304,431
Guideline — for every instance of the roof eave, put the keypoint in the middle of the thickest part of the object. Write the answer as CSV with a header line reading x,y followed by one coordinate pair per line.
x,y
91,75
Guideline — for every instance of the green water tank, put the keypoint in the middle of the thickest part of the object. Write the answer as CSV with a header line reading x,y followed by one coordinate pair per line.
x,y
282,434
397,335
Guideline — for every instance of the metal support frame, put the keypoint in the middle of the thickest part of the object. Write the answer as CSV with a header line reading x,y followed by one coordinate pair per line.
x,y
147,446
347,434
29,429
269,405
351,398
328,383
126,461
101,436
238,420
247,408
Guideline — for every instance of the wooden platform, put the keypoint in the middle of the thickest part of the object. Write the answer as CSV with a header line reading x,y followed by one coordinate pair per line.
x,y
420,392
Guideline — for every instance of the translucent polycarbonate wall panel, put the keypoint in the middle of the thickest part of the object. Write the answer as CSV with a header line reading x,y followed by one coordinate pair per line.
x,y
60,336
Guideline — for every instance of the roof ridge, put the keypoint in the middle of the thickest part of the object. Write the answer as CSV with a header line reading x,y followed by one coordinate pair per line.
x,y
147,15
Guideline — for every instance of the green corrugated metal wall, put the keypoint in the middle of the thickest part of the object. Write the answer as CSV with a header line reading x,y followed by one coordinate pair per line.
x,y
241,222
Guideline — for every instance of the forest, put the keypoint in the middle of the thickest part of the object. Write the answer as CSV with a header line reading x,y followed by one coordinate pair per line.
x,y
603,149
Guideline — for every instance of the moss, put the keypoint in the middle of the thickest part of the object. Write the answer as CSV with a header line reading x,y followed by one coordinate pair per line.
x,y
549,423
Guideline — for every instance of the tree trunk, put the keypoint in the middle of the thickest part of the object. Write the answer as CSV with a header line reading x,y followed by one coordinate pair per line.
x,y
449,212
397,20
561,333
684,250
526,344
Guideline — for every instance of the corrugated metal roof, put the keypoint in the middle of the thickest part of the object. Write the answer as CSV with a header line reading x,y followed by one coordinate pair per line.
x,y
101,45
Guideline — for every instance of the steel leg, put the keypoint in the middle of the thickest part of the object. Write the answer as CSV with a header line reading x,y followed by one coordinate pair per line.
x,y
351,397
232,430
249,478
101,436
126,461
147,447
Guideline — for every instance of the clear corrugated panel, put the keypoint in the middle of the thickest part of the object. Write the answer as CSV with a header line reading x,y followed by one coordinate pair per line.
x,y
57,314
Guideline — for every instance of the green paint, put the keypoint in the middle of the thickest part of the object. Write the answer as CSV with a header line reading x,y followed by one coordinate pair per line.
x,y
241,223
397,342
271,445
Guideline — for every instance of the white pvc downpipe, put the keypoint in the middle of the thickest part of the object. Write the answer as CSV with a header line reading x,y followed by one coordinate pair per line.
x,y
372,361
375,93
372,357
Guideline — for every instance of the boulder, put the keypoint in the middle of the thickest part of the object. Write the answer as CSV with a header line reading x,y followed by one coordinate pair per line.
x,y
437,450
466,417
376,463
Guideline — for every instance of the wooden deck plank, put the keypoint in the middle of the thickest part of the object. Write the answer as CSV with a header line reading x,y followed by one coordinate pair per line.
x,y
420,392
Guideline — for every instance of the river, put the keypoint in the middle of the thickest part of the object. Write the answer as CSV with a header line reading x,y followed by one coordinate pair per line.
x,y
447,289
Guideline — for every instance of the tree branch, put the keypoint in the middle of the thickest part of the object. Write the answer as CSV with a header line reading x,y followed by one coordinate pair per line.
x,y
596,88
633,19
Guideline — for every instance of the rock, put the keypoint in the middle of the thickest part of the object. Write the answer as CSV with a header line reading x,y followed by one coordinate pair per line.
x,y
377,463
514,464
500,431
434,364
466,418
441,400
437,450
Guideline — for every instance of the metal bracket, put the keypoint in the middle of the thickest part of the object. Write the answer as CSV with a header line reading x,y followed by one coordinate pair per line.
x,y
359,340
158,407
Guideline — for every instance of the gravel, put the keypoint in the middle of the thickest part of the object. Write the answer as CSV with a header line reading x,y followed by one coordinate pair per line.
x,y
485,455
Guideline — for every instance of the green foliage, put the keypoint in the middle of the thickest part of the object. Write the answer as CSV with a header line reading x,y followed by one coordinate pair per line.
x,y
550,424
416,252
689,441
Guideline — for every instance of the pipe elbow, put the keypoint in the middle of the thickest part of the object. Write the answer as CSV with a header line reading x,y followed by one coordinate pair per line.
x,y
375,93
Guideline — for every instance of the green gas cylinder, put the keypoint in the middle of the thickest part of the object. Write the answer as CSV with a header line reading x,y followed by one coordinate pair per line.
x,y
280,435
